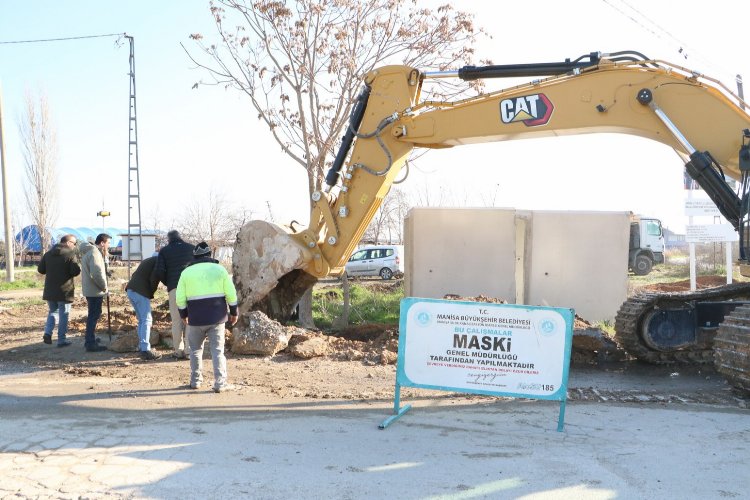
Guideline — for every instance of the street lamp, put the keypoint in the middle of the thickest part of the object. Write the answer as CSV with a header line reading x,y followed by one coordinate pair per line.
x,y
103,214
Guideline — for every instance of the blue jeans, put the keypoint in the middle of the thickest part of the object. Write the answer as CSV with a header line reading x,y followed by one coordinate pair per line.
x,y
95,312
58,314
142,306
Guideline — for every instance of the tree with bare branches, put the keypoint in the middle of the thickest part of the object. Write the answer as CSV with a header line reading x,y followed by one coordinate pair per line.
x,y
388,223
213,220
39,149
21,242
301,63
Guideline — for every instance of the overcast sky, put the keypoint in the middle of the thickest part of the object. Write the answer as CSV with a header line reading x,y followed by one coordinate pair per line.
x,y
191,141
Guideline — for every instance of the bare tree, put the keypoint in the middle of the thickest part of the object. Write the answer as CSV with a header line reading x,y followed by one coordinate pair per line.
x,y
21,243
213,220
154,221
301,63
490,196
39,148
387,224
430,197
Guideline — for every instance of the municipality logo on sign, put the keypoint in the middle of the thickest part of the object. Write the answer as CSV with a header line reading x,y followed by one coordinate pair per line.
x,y
547,326
423,318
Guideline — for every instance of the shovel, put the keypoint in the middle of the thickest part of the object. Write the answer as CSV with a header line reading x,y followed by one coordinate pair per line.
x,y
109,320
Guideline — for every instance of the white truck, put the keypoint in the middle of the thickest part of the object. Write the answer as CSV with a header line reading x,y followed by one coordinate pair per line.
x,y
646,244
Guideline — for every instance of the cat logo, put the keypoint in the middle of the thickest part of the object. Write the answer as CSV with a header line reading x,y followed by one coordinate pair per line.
x,y
533,110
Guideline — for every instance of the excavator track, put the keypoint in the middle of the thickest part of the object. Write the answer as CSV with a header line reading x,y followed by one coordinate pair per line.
x,y
630,317
732,349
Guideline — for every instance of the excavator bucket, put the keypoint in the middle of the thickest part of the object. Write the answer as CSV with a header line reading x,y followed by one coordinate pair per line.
x,y
268,270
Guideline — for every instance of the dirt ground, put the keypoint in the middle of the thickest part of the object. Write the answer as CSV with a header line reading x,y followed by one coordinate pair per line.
x,y
332,376
359,367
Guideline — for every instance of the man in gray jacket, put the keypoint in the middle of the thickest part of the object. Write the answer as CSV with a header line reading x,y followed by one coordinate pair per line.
x,y
94,285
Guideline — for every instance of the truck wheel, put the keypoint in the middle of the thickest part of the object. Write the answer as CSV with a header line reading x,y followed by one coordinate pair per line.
x,y
386,273
643,265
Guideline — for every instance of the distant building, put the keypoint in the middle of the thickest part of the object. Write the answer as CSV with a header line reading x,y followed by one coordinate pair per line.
x,y
29,239
673,240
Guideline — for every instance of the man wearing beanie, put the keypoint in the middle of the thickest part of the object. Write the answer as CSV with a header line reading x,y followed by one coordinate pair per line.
x,y
173,258
204,293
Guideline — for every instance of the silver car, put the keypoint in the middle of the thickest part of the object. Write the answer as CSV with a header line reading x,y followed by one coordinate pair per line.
x,y
385,261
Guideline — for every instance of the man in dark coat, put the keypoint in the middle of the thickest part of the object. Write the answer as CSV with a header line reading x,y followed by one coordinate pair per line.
x,y
59,266
140,290
173,258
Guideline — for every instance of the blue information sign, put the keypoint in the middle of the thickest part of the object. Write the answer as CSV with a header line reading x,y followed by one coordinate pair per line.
x,y
482,348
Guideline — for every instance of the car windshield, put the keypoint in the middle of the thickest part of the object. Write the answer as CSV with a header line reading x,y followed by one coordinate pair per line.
x,y
362,254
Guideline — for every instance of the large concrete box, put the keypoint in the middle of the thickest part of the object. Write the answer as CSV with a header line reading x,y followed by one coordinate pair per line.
x,y
561,259
461,251
579,260
131,246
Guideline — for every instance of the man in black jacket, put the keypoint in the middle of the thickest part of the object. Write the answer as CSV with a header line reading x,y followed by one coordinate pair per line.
x,y
59,266
173,258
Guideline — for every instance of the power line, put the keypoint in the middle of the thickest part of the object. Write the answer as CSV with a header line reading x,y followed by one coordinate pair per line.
x,y
63,39
682,44
637,21
659,32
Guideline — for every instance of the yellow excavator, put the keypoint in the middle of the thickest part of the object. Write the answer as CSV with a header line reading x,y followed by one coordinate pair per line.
x,y
703,120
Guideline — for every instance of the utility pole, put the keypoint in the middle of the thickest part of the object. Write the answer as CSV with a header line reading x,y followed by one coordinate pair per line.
x,y
9,253
135,231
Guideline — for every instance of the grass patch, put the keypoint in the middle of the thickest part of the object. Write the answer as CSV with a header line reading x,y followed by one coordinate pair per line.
x,y
606,326
670,273
374,303
367,306
21,284
26,303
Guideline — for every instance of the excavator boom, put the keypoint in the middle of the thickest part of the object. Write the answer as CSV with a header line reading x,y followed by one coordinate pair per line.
x,y
700,118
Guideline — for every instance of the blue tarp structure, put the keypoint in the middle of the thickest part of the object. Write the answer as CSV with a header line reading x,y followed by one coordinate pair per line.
x,y
29,236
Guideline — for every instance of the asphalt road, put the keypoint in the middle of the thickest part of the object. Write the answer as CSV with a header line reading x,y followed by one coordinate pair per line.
x,y
61,439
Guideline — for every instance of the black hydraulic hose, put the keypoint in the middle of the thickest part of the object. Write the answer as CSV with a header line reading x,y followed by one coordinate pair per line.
x,y
630,52
704,169
742,230
631,56
520,70
332,177
744,164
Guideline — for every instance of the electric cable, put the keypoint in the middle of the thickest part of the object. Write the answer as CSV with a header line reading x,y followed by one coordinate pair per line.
x,y
62,39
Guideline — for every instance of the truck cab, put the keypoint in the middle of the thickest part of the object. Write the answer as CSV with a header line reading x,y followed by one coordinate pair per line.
x,y
646,244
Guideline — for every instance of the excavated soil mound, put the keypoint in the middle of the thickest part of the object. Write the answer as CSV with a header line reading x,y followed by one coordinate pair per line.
x,y
122,317
590,344
684,285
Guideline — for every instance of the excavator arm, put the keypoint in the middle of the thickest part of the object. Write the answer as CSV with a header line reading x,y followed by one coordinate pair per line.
x,y
701,119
